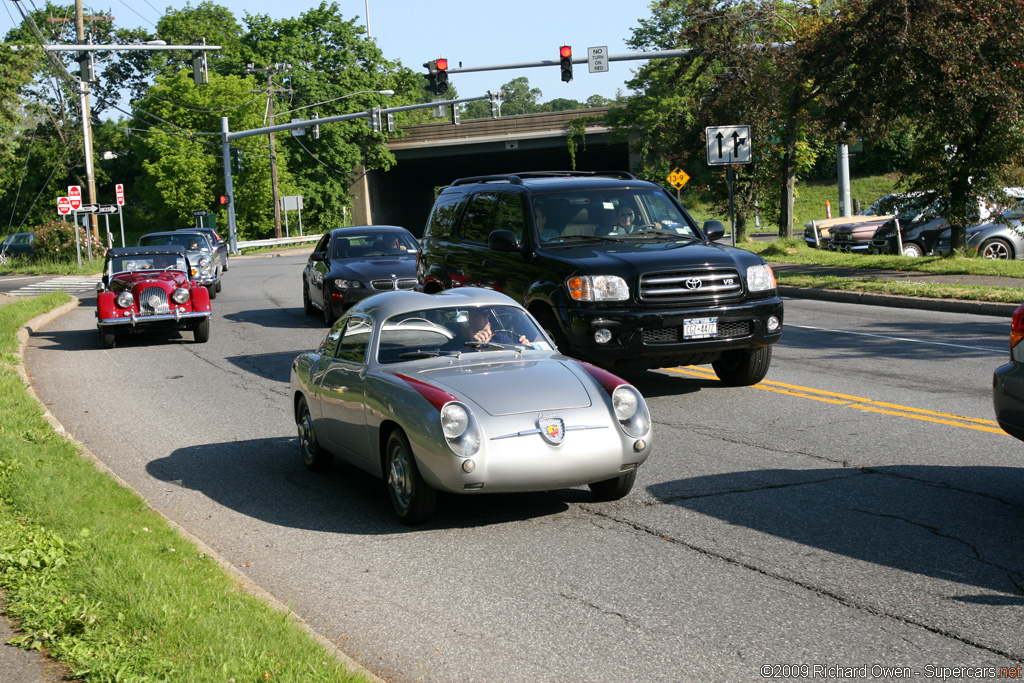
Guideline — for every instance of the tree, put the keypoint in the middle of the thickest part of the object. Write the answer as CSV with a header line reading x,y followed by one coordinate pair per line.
x,y
954,68
729,77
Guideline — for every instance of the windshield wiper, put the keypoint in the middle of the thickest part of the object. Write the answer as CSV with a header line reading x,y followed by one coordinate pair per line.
x,y
485,344
424,353
572,238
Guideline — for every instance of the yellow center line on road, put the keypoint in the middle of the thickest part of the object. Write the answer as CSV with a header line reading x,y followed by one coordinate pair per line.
x,y
859,403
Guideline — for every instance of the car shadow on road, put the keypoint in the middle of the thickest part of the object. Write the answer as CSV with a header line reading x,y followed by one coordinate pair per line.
x,y
266,479
89,339
957,524
278,317
273,366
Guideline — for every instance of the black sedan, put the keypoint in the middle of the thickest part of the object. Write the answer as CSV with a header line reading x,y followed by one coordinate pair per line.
x,y
1008,382
17,244
349,264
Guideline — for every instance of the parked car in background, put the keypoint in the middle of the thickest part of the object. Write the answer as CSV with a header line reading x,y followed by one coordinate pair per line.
x,y
219,243
856,237
350,264
204,261
919,234
882,209
18,244
1002,238
463,392
145,288
1008,382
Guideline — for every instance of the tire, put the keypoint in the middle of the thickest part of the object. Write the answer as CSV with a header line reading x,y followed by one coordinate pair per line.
x,y
307,305
108,338
614,488
743,367
202,331
225,264
912,250
329,316
412,499
212,289
547,321
996,248
313,455
220,285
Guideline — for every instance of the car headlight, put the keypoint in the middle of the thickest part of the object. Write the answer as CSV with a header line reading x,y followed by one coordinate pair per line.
x,y
204,262
597,288
760,278
631,411
180,295
125,299
460,429
347,284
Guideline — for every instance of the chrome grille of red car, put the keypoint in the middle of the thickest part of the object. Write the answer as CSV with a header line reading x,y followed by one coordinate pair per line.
x,y
152,301
690,286
388,285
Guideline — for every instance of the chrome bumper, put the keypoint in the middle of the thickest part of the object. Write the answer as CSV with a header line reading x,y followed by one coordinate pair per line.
x,y
134,320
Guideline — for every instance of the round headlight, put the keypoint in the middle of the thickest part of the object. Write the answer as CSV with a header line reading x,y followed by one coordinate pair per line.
x,y
204,262
454,420
180,295
125,300
624,401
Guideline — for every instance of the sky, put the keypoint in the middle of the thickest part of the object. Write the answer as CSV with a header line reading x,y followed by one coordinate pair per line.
x,y
474,32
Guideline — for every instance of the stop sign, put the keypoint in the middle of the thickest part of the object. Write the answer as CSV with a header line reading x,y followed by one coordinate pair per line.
x,y
75,196
64,206
119,193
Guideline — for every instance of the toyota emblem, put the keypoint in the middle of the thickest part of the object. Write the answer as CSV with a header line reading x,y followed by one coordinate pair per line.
x,y
693,283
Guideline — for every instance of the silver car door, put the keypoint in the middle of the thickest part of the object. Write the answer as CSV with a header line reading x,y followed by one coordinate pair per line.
x,y
342,390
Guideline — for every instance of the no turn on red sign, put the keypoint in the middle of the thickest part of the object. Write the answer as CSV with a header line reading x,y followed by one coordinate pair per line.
x,y
75,196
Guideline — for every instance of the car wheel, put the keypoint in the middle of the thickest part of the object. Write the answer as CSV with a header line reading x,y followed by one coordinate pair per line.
x,y
108,338
220,285
316,458
413,500
912,250
329,316
225,265
547,321
743,367
614,488
996,248
307,305
202,331
212,289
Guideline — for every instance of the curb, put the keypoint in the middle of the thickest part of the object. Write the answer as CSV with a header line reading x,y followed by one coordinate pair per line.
x,y
247,584
892,301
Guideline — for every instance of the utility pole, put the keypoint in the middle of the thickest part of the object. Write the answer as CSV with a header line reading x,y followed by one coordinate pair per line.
x,y
271,71
90,174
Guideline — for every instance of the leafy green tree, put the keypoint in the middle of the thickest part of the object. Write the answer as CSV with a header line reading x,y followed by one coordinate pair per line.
x,y
954,68
728,78
207,23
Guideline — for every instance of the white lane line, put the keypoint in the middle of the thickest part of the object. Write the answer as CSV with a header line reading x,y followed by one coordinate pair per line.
x,y
904,339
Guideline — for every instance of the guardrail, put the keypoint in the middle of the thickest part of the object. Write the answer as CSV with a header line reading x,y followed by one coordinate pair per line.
x,y
275,241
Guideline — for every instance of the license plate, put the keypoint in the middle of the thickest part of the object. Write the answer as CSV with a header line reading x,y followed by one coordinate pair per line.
x,y
700,328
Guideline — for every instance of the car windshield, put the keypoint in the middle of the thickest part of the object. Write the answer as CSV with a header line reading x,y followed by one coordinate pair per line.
x,y
619,214
373,244
190,241
452,331
144,262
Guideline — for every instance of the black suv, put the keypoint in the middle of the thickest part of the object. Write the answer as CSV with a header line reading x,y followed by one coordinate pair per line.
x,y
616,271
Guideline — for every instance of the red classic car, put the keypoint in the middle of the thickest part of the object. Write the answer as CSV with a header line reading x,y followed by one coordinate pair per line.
x,y
149,287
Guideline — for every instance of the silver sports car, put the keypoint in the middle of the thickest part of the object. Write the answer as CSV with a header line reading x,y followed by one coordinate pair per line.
x,y
463,392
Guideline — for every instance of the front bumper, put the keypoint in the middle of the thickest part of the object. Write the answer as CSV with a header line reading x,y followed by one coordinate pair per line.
x,y
130,319
655,338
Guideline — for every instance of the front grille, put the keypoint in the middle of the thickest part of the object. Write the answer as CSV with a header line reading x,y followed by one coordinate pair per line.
x,y
153,301
688,286
669,335
388,285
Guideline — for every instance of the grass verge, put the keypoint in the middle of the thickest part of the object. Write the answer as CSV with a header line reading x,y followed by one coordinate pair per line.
x,y
104,584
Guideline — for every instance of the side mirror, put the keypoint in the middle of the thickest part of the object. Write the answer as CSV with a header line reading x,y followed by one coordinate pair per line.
x,y
714,230
318,256
503,240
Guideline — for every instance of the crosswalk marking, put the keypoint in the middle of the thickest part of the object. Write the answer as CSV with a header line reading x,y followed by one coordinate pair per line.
x,y
69,283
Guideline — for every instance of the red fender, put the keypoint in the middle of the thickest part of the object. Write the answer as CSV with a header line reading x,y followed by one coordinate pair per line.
x,y
200,299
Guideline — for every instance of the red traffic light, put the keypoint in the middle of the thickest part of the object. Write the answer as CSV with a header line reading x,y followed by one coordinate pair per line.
x,y
441,64
223,199
565,51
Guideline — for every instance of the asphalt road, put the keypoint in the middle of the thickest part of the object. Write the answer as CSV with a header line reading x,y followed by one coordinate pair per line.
x,y
856,509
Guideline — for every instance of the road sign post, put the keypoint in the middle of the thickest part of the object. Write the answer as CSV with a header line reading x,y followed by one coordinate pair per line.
x,y
119,194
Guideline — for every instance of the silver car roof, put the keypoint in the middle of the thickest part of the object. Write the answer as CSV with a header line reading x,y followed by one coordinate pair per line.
x,y
387,304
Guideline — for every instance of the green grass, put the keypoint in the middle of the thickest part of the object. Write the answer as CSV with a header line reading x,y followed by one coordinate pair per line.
x,y
22,266
103,583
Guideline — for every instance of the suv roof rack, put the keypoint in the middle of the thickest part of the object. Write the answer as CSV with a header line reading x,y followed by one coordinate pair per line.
x,y
517,178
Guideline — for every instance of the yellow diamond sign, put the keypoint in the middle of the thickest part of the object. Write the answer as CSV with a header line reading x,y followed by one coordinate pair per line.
x,y
678,178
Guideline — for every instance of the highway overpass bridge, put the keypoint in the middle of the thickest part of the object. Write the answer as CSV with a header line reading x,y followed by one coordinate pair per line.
x,y
432,155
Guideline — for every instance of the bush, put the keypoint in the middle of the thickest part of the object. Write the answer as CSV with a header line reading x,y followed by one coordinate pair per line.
x,y
55,241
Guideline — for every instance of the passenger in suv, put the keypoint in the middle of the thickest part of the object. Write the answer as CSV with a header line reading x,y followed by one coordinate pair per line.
x,y
663,294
